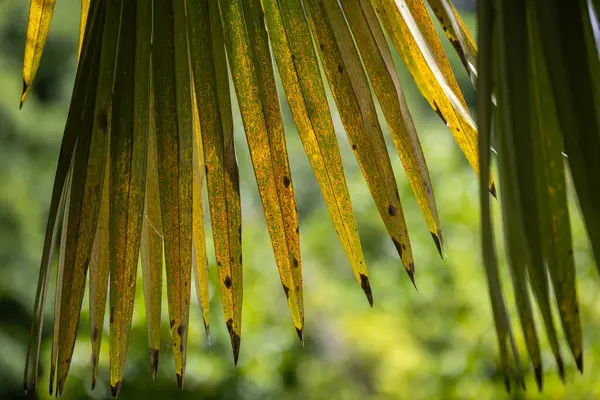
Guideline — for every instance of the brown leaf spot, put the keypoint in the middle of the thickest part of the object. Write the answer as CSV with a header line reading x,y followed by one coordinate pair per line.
x,y
286,290
286,181
295,263
95,334
354,147
227,282
398,246
340,69
172,323
392,210
112,314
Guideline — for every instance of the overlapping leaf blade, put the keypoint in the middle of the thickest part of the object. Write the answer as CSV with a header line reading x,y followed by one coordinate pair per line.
x,y
379,66
412,32
484,118
352,95
246,82
174,132
151,247
211,84
199,256
457,33
129,150
301,78
290,271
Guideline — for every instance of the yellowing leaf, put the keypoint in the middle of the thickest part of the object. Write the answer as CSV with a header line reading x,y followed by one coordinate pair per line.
x,y
174,132
40,15
211,83
199,255
291,268
151,247
457,33
352,95
99,271
412,32
380,67
299,70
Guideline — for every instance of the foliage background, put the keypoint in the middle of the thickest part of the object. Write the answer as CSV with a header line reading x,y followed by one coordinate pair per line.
x,y
435,343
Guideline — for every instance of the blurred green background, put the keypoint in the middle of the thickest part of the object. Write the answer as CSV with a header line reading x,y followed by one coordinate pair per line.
x,y
436,343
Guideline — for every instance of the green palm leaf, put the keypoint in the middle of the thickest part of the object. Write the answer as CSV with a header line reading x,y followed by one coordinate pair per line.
x,y
150,119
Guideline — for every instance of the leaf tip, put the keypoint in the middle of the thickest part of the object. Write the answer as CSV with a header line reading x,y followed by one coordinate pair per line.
x,y
411,274
439,242
579,362
561,368
539,376
23,94
366,287
235,340
207,330
493,191
115,389
179,380
154,363
300,332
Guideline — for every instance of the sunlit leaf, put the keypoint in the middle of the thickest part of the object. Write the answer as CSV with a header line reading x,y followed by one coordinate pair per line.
x,y
290,266
352,95
304,89
380,67
457,33
40,15
412,32
174,132
211,83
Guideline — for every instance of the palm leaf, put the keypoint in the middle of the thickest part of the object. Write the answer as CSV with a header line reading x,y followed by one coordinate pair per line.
x,y
150,118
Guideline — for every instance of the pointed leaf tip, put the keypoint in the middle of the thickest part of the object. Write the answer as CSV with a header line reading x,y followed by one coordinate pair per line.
x,y
179,381
235,341
115,389
154,363
493,191
561,369
539,376
366,287
579,362
439,243
300,333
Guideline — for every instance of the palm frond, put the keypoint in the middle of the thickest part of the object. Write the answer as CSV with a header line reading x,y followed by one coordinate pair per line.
x,y
150,119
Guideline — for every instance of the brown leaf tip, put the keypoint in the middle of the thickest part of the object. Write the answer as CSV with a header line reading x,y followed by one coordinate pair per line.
x,y
539,376
411,275
300,332
235,340
579,362
366,287
179,381
154,362
561,368
437,238
115,389
493,191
